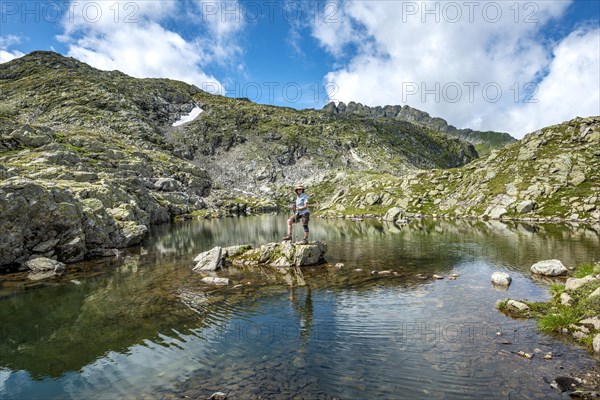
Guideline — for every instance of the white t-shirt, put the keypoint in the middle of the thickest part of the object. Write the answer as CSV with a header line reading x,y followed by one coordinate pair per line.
x,y
301,201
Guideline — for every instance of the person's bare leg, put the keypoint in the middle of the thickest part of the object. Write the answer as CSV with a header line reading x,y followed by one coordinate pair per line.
x,y
289,235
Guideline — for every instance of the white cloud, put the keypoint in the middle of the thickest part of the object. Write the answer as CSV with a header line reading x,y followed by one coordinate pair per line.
x,y
400,54
571,88
6,42
134,37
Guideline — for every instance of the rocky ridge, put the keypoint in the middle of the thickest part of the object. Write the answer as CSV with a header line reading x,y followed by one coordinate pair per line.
x,y
484,142
550,175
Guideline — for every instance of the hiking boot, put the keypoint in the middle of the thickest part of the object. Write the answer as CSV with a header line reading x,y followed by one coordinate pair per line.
x,y
288,237
303,241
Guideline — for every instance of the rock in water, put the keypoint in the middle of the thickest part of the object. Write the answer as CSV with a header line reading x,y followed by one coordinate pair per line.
x,y
45,264
44,268
393,214
309,254
501,279
282,255
209,260
517,305
549,268
218,396
216,281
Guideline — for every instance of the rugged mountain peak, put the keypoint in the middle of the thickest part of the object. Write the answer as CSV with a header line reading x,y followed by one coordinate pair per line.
x,y
484,141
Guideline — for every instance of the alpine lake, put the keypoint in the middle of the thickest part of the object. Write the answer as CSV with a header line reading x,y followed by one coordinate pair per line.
x,y
144,326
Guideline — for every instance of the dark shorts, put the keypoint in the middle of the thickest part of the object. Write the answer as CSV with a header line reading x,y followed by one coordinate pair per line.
x,y
304,218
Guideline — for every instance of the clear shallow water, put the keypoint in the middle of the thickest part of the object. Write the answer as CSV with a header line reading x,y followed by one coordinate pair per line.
x,y
144,326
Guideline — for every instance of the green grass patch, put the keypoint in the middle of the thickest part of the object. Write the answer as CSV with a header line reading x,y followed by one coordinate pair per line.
x,y
584,270
75,149
199,213
556,289
561,318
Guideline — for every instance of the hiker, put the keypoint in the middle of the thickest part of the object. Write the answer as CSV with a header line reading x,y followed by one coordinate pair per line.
x,y
301,213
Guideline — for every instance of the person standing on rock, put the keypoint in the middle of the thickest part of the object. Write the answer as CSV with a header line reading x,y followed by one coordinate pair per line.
x,y
301,213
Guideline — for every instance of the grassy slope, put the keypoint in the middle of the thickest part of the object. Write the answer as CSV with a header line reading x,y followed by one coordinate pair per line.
x,y
557,167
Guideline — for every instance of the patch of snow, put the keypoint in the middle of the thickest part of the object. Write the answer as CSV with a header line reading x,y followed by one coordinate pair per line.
x,y
190,117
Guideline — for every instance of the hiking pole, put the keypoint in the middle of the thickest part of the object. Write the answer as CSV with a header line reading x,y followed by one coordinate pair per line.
x,y
294,221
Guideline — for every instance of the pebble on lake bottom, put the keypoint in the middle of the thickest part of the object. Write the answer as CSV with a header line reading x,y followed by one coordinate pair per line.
x,y
525,355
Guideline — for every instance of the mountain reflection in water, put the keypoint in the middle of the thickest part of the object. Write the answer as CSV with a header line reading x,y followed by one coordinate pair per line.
x,y
144,325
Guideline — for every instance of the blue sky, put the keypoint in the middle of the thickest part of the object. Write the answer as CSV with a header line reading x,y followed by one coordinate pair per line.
x,y
497,65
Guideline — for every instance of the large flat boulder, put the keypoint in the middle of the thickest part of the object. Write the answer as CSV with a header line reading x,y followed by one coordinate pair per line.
x,y
282,255
549,268
42,264
44,268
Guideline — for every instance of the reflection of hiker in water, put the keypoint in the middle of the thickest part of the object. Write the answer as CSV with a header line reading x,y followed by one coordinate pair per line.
x,y
304,309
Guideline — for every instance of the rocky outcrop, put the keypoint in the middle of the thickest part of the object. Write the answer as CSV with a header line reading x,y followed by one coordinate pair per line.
x,y
487,140
282,255
549,268
44,268
278,255
91,171
275,261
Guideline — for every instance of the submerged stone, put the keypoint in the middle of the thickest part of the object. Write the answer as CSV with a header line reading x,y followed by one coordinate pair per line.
x,y
215,280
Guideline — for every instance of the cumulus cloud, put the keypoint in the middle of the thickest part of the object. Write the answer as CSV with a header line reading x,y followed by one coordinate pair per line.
x,y
472,63
571,88
6,42
134,37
